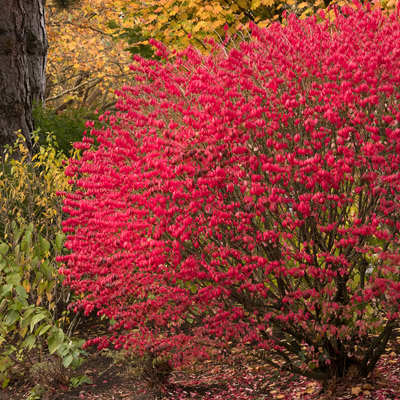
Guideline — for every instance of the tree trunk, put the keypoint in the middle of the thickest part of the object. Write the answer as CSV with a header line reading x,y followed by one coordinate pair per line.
x,y
23,51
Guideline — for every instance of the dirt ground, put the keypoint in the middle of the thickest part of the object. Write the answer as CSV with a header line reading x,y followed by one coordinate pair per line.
x,y
109,376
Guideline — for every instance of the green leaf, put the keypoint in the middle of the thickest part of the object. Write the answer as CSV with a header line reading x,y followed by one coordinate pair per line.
x,y
112,24
36,319
6,289
55,341
21,291
5,382
29,342
26,241
17,232
47,269
80,380
35,262
3,249
14,279
43,286
27,317
63,350
60,238
23,332
42,329
44,246
21,303
3,304
67,360
16,250
12,316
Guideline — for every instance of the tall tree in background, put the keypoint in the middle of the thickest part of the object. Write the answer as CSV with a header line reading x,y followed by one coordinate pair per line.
x,y
85,61
91,45
23,51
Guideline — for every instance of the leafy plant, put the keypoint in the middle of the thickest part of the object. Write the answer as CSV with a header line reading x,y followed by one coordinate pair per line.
x,y
66,127
249,199
85,61
28,188
33,342
80,380
177,23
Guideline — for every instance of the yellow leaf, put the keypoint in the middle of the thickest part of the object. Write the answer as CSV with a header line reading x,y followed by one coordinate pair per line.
x,y
200,26
263,24
151,18
267,3
255,4
174,10
26,285
303,4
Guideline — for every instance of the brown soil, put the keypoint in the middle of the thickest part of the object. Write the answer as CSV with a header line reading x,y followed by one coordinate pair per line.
x,y
115,378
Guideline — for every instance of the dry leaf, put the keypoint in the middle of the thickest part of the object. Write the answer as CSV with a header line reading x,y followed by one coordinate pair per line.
x,y
356,390
367,386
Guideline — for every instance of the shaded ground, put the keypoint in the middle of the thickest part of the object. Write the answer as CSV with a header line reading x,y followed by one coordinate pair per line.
x,y
114,378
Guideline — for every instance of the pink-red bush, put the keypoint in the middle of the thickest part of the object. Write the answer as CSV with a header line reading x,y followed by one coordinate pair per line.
x,y
249,198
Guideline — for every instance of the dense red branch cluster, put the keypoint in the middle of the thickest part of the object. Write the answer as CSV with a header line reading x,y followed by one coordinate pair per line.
x,y
249,198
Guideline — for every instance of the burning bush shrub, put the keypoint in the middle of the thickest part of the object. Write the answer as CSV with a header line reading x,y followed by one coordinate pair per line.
x,y
249,198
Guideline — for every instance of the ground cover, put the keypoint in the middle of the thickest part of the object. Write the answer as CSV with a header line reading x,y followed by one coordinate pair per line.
x,y
113,377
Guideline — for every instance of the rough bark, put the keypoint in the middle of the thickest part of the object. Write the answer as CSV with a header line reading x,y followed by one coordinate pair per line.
x,y
23,51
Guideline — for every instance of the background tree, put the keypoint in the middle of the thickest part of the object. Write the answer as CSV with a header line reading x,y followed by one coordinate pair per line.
x,y
85,61
23,51
172,21
91,44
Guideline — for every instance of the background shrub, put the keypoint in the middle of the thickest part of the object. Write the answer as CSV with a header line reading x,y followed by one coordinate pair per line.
x,y
250,199
34,323
28,188
65,127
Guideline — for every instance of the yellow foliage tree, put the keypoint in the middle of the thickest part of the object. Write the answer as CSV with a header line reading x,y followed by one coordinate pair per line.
x,y
178,22
87,57
84,60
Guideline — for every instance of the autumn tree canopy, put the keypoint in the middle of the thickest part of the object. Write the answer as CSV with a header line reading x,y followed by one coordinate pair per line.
x,y
91,44
85,62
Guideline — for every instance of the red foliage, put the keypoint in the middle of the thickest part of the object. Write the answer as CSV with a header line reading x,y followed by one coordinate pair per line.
x,y
249,198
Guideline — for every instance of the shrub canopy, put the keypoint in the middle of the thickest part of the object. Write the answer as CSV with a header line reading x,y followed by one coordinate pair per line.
x,y
249,198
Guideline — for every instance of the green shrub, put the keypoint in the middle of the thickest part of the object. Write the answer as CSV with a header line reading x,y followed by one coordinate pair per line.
x,y
32,333
33,301
29,186
67,127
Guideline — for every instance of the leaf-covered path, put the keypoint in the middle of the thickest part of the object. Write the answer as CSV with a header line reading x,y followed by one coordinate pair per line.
x,y
115,378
